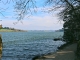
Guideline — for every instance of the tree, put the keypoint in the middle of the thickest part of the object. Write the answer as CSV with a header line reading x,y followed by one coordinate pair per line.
x,y
70,15
21,7
24,7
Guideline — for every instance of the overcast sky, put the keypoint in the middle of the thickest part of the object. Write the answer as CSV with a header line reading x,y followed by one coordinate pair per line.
x,y
37,21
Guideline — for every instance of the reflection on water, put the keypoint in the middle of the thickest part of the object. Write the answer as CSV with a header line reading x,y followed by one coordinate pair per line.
x,y
0,47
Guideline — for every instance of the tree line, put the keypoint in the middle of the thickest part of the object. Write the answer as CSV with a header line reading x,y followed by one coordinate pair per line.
x,y
71,17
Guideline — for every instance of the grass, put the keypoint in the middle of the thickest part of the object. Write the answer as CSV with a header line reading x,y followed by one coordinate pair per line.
x,y
6,30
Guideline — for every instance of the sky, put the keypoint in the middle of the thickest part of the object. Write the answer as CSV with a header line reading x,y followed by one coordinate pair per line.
x,y
37,21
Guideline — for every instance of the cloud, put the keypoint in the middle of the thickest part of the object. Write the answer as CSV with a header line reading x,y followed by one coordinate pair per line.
x,y
35,23
39,21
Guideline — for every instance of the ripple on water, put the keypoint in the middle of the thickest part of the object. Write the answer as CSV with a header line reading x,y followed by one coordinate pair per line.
x,y
24,46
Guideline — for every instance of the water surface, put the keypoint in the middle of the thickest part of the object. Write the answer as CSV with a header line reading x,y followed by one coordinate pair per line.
x,y
26,45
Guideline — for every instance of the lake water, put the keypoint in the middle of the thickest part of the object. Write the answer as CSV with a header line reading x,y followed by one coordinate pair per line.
x,y
26,45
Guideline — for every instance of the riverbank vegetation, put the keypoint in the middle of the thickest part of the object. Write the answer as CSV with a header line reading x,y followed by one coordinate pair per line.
x,y
7,29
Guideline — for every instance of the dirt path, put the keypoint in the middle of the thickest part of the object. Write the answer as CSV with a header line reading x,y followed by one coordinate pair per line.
x,y
68,53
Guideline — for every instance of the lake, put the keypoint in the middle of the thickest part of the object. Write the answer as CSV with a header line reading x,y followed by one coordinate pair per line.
x,y
26,45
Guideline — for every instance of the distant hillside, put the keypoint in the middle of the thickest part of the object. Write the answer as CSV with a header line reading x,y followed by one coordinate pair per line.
x,y
60,30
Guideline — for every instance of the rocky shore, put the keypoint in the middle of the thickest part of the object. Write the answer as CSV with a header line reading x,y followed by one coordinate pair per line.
x,y
67,53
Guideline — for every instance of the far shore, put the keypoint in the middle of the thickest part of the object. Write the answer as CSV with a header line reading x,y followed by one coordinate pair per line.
x,y
9,30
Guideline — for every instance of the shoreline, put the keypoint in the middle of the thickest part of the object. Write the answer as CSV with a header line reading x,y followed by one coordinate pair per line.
x,y
59,48
9,30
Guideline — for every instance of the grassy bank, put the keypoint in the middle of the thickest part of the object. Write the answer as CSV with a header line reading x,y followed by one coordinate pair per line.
x,y
9,30
6,30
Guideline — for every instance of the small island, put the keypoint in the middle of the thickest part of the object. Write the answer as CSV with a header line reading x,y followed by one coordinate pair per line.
x,y
9,29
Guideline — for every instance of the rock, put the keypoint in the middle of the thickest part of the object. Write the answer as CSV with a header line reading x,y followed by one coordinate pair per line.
x,y
0,41
56,39
0,46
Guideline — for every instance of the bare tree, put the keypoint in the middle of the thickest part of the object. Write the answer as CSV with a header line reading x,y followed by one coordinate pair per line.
x,y
24,7
21,7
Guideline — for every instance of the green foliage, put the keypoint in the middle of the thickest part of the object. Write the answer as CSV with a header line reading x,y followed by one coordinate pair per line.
x,y
73,27
71,22
71,17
